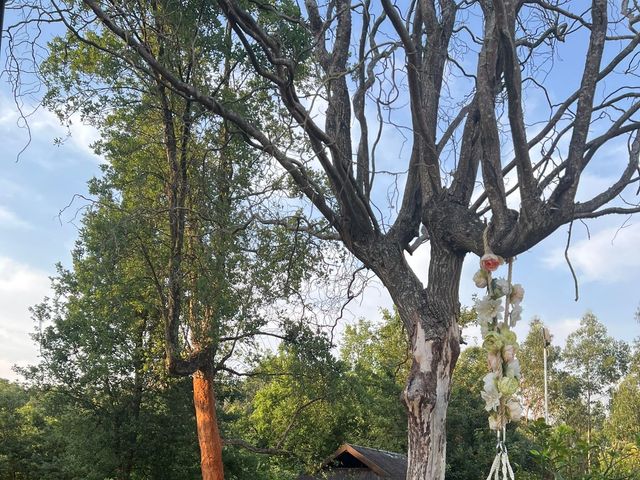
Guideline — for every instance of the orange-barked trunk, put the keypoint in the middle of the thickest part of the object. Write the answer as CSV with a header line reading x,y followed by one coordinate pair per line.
x,y
204,401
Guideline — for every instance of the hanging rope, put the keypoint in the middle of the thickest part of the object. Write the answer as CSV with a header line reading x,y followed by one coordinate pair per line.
x,y
503,381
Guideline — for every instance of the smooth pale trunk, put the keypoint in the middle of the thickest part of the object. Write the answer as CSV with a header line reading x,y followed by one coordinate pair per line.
x,y
427,398
204,401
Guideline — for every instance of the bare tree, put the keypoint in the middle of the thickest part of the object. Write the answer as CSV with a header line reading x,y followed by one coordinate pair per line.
x,y
456,81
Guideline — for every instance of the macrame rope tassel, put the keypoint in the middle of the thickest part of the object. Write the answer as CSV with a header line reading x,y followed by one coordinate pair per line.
x,y
501,467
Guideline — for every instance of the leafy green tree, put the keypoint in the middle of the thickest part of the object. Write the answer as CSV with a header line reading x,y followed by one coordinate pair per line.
x,y
16,448
596,360
182,192
58,435
296,402
377,361
624,419
101,356
562,452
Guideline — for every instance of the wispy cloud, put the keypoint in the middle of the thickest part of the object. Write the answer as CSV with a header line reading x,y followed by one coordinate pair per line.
x,y
21,287
43,129
610,256
8,219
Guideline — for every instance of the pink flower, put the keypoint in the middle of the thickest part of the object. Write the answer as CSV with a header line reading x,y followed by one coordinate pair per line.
x,y
508,353
495,363
490,262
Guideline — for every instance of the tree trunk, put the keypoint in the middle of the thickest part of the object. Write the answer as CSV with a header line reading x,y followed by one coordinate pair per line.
x,y
427,397
431,317
204,401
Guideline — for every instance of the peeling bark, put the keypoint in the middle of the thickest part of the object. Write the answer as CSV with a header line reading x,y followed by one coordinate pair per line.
x,y
204,401
426,397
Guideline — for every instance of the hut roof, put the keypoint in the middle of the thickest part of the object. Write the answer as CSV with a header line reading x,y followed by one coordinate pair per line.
x,y
380,463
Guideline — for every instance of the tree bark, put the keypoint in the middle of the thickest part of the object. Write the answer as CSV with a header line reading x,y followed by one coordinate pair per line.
x,y
427,397
204,401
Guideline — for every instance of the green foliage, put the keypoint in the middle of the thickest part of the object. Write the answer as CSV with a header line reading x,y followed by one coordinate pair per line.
x,y
563,453
624,419
302,399
306,401
470,443
378,362
28,446
594,357
595,361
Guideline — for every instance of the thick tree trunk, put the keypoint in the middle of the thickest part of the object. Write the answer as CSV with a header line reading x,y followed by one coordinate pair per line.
x,y
204,401
427,397
431,316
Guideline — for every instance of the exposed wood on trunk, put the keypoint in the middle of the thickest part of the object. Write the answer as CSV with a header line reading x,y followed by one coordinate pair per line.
x,y
204,402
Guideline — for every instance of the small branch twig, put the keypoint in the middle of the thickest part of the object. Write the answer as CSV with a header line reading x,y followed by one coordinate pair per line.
x,y
566,256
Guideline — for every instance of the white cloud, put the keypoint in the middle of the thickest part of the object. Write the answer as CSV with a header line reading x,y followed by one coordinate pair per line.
x,y
561,329
609,256
80,135
9,219
21,287
45,127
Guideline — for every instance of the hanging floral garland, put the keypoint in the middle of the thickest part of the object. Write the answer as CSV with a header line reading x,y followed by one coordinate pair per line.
x,y
498,312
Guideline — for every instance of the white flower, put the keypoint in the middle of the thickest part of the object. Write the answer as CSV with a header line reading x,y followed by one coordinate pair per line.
x,y
492,400
490,394
515,315
481,279
513,369
501,288
515,410
490,380
488,309
517,294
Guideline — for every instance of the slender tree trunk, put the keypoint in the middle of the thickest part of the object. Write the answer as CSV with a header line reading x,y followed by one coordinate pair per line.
x,y
204,401
431,317
136,400
589,430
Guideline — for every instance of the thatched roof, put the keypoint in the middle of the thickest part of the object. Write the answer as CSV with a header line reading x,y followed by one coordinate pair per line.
x,y
362,463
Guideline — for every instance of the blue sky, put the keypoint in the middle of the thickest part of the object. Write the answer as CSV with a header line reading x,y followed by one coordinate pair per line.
x,y
34,235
